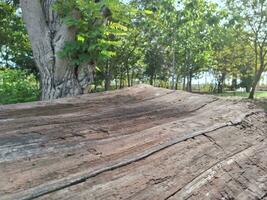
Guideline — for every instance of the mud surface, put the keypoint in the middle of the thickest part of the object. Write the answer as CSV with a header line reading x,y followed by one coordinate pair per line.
x,y
137,143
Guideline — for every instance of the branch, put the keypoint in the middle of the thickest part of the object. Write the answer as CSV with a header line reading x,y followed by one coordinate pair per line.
x,y
38,31
34,19
251,25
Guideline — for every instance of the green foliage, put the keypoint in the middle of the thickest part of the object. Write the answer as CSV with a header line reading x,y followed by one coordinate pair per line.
x,y
17,86
98,32
164,42
251,16
14,44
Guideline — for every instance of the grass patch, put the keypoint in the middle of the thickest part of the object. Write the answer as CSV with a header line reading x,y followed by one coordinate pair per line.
x,y
260,97
260,94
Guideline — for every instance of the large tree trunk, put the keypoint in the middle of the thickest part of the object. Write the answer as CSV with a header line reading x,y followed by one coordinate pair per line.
x,y
47,33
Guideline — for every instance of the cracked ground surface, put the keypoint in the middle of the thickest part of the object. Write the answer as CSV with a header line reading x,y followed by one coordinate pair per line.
x,y
136,143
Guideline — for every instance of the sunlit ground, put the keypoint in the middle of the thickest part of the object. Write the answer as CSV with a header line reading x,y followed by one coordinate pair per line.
x,y
260,97
259,94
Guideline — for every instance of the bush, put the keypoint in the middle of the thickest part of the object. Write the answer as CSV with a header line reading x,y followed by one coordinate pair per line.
x,y
17,86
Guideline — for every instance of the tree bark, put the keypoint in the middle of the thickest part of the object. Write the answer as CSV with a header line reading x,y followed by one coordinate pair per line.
x,y
151,79
258,73
128,74
189,82
121,77
184,83
221,83
132,77
255,82
107,77
116,83
48,35
234,83
176,82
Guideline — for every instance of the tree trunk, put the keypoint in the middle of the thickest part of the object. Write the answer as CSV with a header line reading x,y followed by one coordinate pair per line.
x,y
256,55
189,82
121,77
48,35
151,80
255,82
107,77
221,83
116,83
132,77
6,57
184,82
174,69
155,80
258,73
234,83
176,82
128,74
173,83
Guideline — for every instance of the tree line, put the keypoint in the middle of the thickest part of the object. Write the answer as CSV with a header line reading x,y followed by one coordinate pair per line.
x,y
72,44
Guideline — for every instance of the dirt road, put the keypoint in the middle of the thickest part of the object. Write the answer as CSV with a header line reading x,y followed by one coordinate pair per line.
x,y
137,143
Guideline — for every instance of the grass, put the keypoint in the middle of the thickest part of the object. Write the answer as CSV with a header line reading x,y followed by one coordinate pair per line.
x,y
260,94
260,97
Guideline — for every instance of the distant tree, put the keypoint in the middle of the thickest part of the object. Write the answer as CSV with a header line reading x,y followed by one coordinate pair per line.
x,y
252,15
198,22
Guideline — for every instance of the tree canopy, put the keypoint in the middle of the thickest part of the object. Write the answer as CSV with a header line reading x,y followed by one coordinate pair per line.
x,y
166,43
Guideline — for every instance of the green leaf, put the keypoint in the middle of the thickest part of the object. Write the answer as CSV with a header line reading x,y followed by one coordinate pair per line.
x,y
148,12
80,38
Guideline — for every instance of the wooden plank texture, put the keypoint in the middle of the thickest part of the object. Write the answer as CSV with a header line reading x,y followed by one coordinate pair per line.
x,y
135,143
